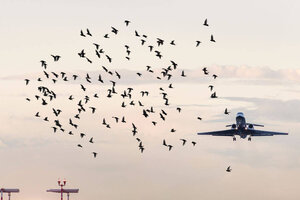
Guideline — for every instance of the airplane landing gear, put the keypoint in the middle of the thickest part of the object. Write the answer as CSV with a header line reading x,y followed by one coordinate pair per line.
x,y
249,138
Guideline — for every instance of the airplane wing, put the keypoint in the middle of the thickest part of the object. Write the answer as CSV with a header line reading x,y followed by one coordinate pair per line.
x,y
230,132
264,133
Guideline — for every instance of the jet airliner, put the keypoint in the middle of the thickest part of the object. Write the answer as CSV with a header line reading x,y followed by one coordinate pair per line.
x,y
242,129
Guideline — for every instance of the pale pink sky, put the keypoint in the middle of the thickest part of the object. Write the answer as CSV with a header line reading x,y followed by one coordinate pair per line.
x,y
255,57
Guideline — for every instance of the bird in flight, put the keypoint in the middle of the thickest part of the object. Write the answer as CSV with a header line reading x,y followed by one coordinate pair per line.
x,y
205,22
197,43
226,112
88,32
95,154
55,57
183,141
127,22
212,38
228,169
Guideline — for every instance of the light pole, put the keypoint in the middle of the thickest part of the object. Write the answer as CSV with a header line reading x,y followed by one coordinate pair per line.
x,y
61,184
62,190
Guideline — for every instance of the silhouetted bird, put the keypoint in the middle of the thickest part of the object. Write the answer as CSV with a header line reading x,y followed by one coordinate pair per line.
x,y
95,154
213,95
127,22
172,42
81,33
91,140
212,38
82,53
88,32
108,58
27,81
194,143
199,118
55,57
226,112
205,71
205,22
114,30
106,36
183,141
170,147
211,87
228,169
197,43
215,76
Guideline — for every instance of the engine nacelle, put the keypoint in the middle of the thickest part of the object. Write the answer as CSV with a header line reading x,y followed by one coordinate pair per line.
x,y
233,126
250,126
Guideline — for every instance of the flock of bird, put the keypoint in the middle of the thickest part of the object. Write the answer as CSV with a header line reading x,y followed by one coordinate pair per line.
x,y
45,94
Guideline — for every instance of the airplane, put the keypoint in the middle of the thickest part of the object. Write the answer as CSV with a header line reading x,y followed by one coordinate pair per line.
x,y
242,129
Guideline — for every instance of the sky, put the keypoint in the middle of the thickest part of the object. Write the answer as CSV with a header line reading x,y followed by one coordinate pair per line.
x,y
255,57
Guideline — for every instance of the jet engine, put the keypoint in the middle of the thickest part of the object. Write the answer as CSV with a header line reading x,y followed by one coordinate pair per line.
x,y
250,126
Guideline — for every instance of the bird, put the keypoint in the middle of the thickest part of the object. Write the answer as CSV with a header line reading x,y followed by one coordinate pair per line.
x,y
172,42
81,53
212,38
178,109
226,112
37,114
91,140
82,87
114,30
82,135
27,81
79,145
173,130
183,141
93,109
213,95
199,118
55,57
214,76
182,74
205,22
164,143
96,45
211,87
228,169
127,22
106,36
136,34
95,154
88,32
194,143
205,71
108,58
139,74
82,34
197,43
151,47
170,147
154,123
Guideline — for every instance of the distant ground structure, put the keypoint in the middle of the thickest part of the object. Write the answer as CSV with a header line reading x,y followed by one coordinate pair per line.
x,y
8,191
62,190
